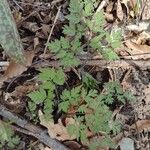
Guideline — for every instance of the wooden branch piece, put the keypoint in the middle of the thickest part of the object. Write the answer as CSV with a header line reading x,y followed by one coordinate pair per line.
x,y
32,130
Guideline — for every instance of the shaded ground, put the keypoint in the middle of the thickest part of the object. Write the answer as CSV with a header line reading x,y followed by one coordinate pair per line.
x,y
35,19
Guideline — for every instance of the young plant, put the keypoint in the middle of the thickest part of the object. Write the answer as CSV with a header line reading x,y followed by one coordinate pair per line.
x,y
7,136
89,108
91,112
83,20
45,95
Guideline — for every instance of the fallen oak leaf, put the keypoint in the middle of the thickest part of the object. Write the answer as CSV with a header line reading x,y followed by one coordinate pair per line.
x,y
119,10
14,69
57,131
47,148
125,2
140,125
119,136
136,49
73,145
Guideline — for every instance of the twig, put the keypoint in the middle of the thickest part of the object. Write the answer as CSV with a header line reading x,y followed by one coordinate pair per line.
x,y
18,5
142,9
102,5
55,2
50,34
141,64
32,13
31,129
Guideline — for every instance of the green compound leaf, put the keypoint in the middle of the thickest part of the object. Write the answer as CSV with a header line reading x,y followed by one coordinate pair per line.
x,y
64,43
95,42
114,38
51,75
48,106
72,96
54,46
97,22
69,60
48,85
76,45
115,127
73,18
46,74
64,106
89,81
78,129
75,6
69,30
88,9
114,89
59,78
62,54
5,131
32,106
38,96
109,54
7,137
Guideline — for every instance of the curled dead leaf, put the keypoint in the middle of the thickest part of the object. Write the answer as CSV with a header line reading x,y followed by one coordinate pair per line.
x,y
135,49
140,125
109,7
15,69
119,10
73,145
57,131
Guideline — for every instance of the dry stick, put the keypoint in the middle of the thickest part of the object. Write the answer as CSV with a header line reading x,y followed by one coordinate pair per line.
x,y
142,9
31,129
50,34
141,64
55,2
18,5
102,5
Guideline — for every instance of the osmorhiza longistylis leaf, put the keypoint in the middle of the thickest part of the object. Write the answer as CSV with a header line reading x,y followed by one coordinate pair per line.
x,y
9,37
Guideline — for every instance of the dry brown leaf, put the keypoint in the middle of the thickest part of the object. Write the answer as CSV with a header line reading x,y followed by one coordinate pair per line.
x,y
36,42
22,90
31,26
47,148
119,136
146,92
132,3
146,11
143,37
73,145
15,69
45,29
109,17
57,131
140,125
119,10
125,2
137,49
109,7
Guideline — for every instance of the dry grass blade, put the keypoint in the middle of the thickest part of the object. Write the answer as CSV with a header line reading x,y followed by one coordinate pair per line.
x,y
51,31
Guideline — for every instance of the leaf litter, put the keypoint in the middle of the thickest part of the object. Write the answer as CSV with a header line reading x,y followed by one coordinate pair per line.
x,y
34,24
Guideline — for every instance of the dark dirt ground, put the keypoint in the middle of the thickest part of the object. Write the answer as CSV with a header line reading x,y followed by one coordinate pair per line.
x,y
34,21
